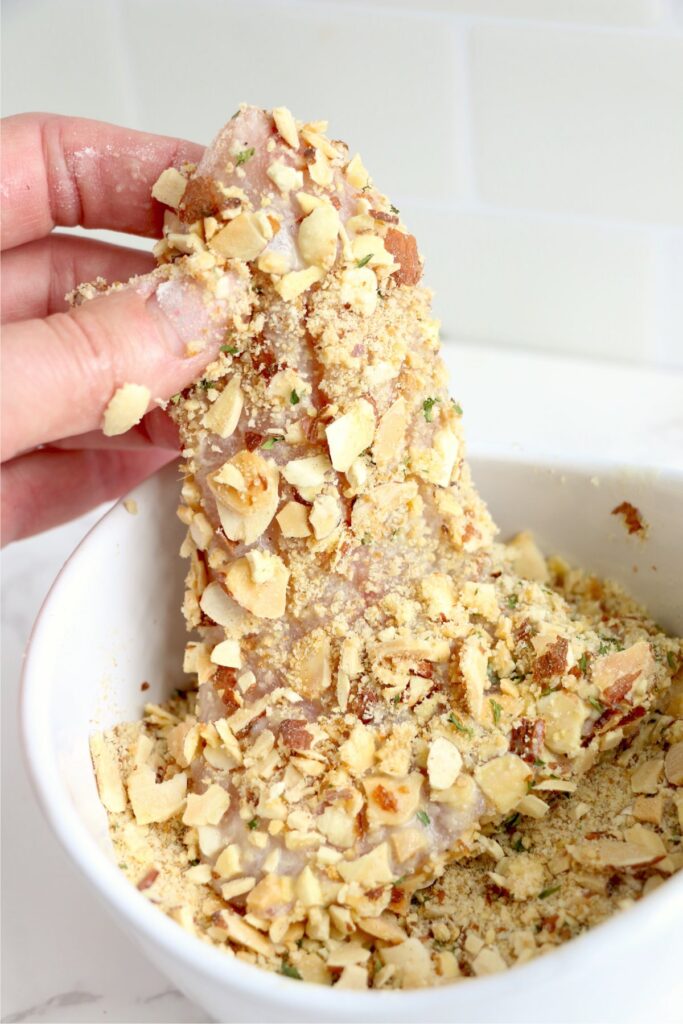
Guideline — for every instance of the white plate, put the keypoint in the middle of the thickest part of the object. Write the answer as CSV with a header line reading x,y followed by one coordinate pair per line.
x,y
112,621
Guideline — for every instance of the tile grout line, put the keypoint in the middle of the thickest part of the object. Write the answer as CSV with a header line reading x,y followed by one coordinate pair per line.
x,y
457,208
120,27
462,140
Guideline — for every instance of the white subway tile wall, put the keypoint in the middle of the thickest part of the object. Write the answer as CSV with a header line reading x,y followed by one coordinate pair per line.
x,y
535,147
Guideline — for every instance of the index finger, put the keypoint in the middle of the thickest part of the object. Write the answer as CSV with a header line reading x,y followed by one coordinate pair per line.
x,y
64,171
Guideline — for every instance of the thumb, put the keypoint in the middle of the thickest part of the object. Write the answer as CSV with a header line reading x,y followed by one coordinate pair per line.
x,y
60,374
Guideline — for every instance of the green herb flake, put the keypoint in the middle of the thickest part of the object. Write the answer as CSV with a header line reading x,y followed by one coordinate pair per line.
x,y
497,710
424,818
518,845
538,763
294,398
464,729
583,663
175,398
270,442
428,406
595,703
123,866
394,209
205,383
671,659
230,349
510,822
251,825
396,699
245,155
290,971
457,406
365,260
544,893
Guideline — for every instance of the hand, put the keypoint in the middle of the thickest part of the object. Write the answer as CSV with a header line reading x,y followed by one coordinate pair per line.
x,y
60,366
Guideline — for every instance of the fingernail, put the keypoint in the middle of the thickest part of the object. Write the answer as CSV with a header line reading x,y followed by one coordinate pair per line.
x,y
193,321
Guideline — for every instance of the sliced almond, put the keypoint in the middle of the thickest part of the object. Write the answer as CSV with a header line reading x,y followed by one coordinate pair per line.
x,y
527,558
296,282
243,934
374,868
271,262
227,653
183,741
285,177
564,715
392,801
444,762
307,474
312,663
358,752
229,862
488,961
351,434
271,895
369,250
169,187
474,669
293,520
359,290
645,778
221,608
106,765
126,407
237,887
636,664
321,170
243,238
504,781
610,853
439,593
325,515
206,808
286,126
350,658
408,842
384,927
223,415
390,433
481,599
266,600
318,235
413,962
649,808
246,488
154,801
356,173
673,764
533,806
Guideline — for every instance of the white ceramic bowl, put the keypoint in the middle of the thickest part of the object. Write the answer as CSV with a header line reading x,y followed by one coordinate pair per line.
x,y
112,620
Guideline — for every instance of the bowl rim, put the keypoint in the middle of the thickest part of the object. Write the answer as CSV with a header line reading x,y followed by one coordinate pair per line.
x,y
122,898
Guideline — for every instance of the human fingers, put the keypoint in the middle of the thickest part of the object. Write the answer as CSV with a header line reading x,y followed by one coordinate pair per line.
x,y
38,275
61,372
155,430
45,488
63,171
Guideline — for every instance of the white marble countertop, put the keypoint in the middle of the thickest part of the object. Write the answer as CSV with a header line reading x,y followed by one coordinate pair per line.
x,y
63,960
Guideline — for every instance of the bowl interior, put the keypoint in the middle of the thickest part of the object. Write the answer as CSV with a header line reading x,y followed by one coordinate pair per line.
x,y
112,622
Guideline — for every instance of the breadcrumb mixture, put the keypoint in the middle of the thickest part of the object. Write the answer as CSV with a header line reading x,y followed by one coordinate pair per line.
x,y
410,753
